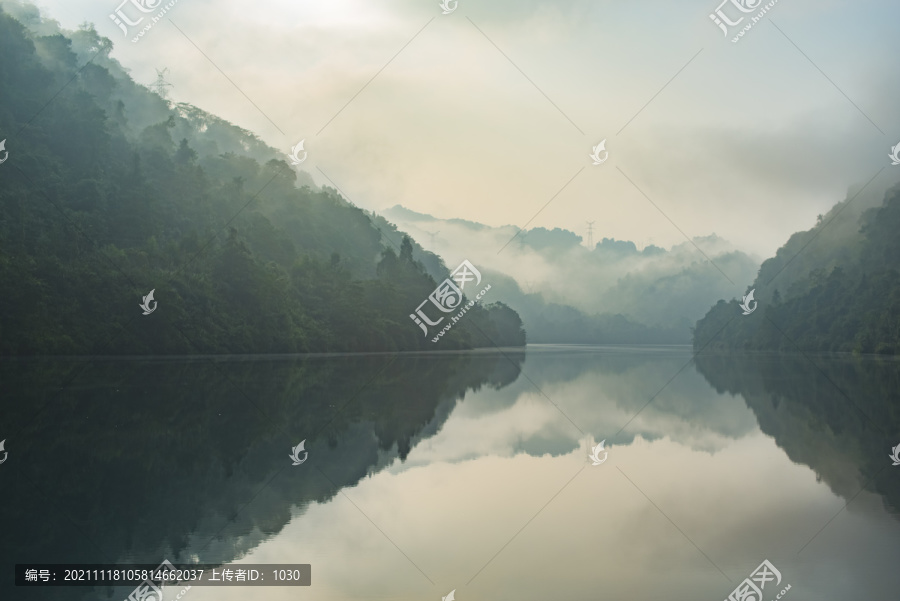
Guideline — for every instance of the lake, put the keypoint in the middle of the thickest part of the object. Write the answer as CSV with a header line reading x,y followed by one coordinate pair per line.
x,y
467,472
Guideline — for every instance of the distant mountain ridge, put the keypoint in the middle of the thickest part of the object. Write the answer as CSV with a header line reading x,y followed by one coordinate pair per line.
x,y
564,292
401,213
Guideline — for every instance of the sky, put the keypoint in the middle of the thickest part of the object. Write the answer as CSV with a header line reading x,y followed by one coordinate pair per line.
x,y
489,113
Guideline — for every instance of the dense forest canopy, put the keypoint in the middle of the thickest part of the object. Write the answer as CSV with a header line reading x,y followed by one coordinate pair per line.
x,y
111,191
835,287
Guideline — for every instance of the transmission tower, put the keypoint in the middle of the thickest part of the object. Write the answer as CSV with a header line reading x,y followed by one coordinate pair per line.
x,y
159,86
590,225
432,234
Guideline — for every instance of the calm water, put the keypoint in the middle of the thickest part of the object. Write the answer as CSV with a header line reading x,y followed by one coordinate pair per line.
x,y
470,471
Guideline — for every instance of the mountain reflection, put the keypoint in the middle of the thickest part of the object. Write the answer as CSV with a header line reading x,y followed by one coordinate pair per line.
x,y
838,415
141,460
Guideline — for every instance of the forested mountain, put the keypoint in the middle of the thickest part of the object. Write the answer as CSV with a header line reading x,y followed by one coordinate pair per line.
x,y
835,287
612,293
110,191
561,323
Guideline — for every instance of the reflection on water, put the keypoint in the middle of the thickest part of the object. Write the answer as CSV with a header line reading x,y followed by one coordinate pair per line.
x,y
424,469
836,415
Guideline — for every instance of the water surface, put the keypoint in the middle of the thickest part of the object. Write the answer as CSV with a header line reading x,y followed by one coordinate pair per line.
x,y
465,471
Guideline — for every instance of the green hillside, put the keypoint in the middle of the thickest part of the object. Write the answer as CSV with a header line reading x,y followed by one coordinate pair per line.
x,y
833,288
110,191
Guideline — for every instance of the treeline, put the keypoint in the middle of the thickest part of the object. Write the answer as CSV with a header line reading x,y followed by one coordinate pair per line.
x,y
97,209
555,323
847,299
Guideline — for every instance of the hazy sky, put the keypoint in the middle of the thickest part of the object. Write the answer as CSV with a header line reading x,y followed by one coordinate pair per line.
x,y
491,111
